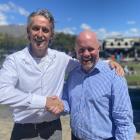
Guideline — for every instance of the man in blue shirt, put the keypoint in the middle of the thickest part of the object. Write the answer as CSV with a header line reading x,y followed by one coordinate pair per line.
x,y
96,97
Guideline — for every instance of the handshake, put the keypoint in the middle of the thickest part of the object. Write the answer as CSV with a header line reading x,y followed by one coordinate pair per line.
x,y
54,105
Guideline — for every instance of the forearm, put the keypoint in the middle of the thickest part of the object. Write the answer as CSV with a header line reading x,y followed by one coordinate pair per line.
x,y
122,111
17,98
125,129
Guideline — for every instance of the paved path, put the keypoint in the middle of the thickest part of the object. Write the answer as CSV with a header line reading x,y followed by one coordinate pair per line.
x,y
6,125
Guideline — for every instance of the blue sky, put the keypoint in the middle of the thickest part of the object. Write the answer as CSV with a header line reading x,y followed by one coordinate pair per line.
x,y
106,17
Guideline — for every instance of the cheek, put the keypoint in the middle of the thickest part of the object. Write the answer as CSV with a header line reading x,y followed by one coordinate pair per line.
x,y
48,36
95,53
78,57
30,35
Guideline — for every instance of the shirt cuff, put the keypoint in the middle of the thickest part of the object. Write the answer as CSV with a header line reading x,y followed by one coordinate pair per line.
x,y
66,106
37,101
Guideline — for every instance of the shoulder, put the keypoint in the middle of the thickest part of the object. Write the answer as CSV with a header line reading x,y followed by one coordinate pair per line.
x,y
58,53
64,58
110,74
12,59
103,66
19,54
75,71
105,69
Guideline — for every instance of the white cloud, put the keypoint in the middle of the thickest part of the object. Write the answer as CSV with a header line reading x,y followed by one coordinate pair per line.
x,y
67,30
102,30
18,9
3,19
131,22
4,8
104,33
85,26
132,32
101,33
10,7
114,33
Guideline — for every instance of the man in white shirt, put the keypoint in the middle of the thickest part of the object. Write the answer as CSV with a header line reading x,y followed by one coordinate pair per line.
x,y
28,77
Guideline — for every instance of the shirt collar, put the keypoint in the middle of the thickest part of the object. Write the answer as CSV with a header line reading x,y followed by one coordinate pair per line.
x,y
28,58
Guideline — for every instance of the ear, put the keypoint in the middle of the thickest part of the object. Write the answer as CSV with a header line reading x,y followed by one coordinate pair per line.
x,y
52,38
76,48
28,33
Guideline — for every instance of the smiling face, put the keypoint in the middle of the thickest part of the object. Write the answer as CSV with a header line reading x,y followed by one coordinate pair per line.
x,y
39,34
87,49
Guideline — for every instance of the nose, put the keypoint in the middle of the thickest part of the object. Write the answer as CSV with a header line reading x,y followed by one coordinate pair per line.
x,y
86,52
40,32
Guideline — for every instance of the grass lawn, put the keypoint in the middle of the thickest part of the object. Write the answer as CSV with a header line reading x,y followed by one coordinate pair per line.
x,y
134,78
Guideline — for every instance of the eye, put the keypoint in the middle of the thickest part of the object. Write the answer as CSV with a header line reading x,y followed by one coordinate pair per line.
x,y
35,28
81,50
45,30
90,49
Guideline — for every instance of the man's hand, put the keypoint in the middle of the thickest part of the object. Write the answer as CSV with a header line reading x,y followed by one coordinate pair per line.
x,y
54,105
117,66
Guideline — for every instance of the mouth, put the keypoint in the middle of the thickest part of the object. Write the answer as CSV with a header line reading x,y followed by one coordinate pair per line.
x,y
39,40
87,59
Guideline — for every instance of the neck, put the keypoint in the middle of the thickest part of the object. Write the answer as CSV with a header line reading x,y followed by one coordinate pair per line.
x,y
87,70
38,53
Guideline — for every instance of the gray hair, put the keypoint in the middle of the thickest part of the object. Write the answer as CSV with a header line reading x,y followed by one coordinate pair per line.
x,y
43,12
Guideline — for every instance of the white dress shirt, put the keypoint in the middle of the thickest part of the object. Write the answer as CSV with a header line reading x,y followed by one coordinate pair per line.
x,y
24,85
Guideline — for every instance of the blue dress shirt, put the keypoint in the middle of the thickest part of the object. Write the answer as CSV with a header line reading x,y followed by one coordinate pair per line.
x,y
99,104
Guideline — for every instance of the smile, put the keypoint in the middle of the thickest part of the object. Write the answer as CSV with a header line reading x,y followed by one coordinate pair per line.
x,y
39,40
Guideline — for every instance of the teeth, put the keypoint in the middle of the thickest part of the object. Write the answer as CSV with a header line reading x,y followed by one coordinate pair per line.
x,y
86,59
39,40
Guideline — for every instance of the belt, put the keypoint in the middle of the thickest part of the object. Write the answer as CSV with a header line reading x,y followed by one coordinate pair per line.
x,y
36,125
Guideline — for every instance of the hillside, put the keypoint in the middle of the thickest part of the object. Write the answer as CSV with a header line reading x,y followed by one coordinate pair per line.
x,y
15,30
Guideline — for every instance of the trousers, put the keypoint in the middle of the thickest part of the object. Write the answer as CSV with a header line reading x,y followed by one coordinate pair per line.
x,y
39,131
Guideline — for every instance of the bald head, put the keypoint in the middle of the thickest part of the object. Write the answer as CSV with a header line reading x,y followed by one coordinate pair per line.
x,y
88,36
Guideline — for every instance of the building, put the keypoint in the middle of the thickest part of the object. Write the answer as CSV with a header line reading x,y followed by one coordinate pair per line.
x,y
122,48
